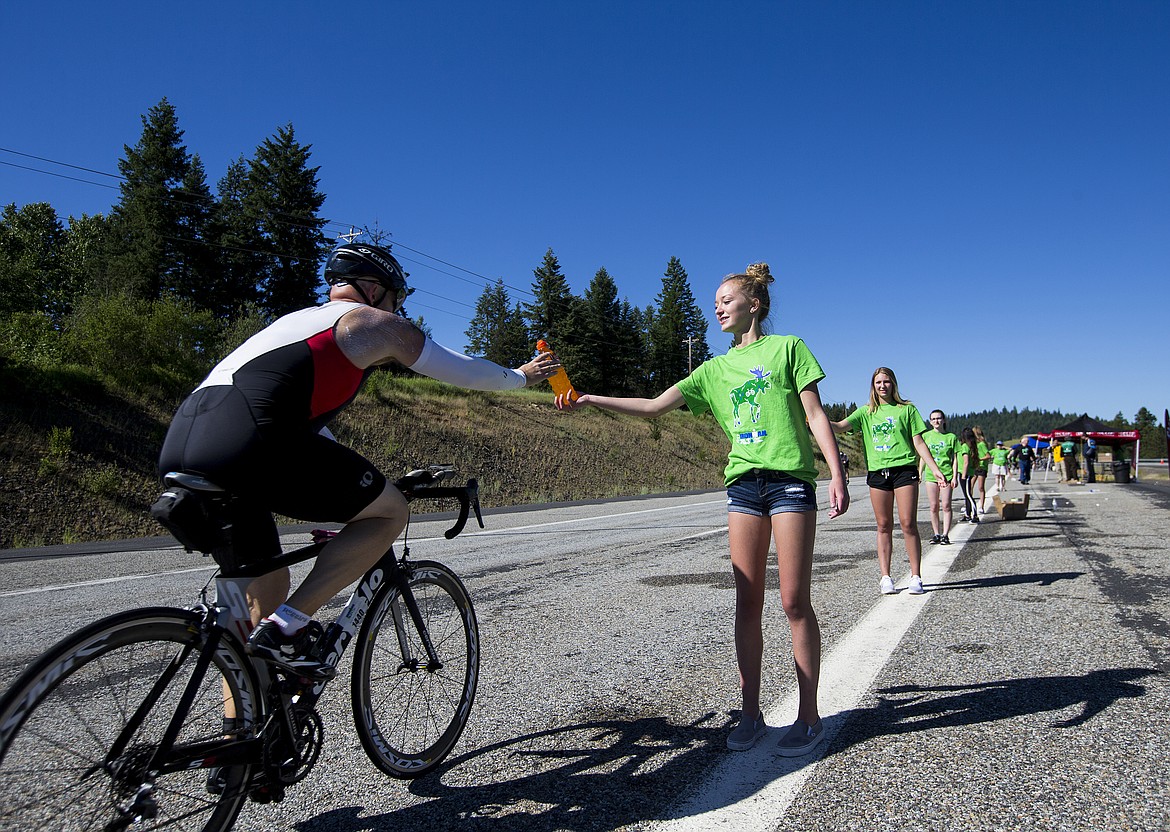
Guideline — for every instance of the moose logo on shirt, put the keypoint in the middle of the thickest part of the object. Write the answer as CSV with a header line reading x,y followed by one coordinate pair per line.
x,y
749,393
883,434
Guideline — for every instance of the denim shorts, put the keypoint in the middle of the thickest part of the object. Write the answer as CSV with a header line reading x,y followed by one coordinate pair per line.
x,y
760,493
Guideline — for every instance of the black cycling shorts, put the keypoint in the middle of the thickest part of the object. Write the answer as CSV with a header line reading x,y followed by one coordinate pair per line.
x,y
887,479
299,474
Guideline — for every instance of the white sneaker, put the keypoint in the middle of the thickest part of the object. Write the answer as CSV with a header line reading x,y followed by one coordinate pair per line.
x,y
915,587
887,585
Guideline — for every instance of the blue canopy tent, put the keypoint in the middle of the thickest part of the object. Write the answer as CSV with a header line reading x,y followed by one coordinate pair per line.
x,y
1033,442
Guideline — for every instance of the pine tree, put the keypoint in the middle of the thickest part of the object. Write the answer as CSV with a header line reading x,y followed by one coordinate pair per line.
x,y
195,259
548,314
146,223
630,374
283,194
238,243
612,341
85,258
32,240
497,331
677,321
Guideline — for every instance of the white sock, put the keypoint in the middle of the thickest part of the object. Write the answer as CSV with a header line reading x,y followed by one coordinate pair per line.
x,y
289,620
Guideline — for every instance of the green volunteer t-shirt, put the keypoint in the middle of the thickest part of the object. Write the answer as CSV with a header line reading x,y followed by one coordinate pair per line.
x,y
754,393
943,447
983,456
888,434
999,456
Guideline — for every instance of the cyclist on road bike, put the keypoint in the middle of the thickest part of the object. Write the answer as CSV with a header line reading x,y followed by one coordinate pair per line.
x,y
256,426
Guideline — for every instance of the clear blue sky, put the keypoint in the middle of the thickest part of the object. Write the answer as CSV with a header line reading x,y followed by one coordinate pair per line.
x,y
975,194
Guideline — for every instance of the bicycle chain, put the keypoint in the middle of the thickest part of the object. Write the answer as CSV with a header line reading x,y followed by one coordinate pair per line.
x,y
305,746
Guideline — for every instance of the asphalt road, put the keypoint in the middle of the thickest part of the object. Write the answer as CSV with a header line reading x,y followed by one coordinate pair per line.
x,y
1026,690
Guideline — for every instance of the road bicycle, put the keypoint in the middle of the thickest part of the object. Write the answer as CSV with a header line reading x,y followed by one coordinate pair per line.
x,y
157,717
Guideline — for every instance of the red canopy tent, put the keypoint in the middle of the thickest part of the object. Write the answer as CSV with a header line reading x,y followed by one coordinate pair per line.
x,y
1085,427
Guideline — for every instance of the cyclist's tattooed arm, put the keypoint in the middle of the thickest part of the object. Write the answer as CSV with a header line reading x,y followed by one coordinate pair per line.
x,y
370,336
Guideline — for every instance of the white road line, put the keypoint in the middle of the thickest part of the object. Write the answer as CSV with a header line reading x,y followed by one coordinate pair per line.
x,y
485,533
750,791
100,581
125,578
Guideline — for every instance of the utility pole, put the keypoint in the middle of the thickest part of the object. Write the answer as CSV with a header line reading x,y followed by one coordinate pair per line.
x,y
351,236
690,340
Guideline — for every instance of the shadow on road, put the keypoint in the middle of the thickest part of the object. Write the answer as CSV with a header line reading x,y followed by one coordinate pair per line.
x,y
1036,578
608,773
588,777
913,708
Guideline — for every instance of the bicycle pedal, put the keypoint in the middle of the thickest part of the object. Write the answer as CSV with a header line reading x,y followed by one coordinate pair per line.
x,y
266,794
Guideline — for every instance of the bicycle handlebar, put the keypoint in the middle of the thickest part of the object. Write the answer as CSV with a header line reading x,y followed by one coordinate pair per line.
x,y
419,485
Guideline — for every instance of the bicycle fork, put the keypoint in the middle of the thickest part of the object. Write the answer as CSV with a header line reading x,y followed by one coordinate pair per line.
x,y
406,594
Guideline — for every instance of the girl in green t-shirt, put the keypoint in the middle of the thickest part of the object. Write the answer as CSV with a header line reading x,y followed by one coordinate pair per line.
x,y
968,471
980,479
944,447
999,464
762,392
892,429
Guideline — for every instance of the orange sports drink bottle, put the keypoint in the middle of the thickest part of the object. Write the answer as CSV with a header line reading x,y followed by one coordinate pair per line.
x,y
559,381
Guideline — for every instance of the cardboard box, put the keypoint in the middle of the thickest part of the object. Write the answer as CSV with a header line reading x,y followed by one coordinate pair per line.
x,y
1013,509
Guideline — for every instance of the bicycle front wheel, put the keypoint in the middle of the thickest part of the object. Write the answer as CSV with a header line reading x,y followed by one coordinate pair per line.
x,y
410,712
80,729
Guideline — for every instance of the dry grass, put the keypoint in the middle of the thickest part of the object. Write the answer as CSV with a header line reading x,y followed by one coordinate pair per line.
x,y
79,469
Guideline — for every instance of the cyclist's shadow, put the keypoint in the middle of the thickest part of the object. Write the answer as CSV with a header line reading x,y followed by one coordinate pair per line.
x,y
588,777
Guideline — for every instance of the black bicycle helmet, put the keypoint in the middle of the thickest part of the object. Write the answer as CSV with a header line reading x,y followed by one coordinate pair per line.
x,y
362,260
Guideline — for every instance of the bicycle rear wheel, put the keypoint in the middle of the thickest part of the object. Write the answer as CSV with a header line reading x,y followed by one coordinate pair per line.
x,y
92,691
408,715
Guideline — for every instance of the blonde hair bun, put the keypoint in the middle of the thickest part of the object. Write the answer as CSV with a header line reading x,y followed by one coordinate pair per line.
x,y
761,273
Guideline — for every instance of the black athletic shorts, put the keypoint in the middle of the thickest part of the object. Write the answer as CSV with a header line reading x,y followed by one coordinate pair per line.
x,y
887,479
299,474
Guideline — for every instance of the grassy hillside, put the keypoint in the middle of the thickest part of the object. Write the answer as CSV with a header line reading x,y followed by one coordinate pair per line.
x,y
77,462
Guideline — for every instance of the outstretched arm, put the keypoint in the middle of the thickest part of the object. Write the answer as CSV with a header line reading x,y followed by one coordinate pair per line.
x,y
369,336
671,399
822,431
438,362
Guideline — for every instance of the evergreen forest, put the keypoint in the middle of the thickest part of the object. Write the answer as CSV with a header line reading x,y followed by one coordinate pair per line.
x,y
144,298
147,296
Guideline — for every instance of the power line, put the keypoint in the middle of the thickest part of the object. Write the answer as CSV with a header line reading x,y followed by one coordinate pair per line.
x,y
58,175
488,280
62,164
322,223
279,217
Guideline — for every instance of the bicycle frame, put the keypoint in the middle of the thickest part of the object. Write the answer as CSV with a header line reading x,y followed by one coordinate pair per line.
x,y
230,613
231,586
230,616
